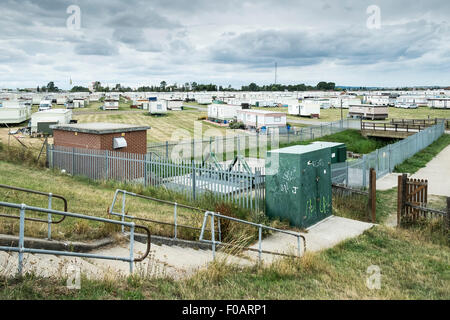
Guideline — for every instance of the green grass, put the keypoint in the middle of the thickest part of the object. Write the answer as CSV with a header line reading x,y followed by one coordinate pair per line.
x,y
420,159
175,125
353,139
94,198
411,268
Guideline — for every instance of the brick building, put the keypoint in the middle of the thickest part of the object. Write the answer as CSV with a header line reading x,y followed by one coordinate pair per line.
x,y
117,137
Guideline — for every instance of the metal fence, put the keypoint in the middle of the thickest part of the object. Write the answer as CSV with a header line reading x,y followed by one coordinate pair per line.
x,y
355,173
191,178
21,249
253,144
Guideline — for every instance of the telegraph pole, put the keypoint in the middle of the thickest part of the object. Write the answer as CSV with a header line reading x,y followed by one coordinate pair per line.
x,y
275,73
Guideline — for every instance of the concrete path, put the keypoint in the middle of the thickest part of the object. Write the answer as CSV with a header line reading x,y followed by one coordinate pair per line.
x,y
387,182
179,262
436,172
172,261
324,235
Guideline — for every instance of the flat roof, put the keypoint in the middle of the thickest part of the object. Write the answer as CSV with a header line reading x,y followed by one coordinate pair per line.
x,y
100,127
265,112
299,149
328,144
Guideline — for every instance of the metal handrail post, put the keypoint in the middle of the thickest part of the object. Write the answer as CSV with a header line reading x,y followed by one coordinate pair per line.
x,y
131,247
203,226
123,211
213,237
260,243
175,220
21,238
49,235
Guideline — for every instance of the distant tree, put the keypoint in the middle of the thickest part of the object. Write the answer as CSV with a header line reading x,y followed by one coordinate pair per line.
x,y
163,85
79,89
51,87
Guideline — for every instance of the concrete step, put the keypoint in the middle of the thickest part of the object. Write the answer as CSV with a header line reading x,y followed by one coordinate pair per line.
x,y
46,265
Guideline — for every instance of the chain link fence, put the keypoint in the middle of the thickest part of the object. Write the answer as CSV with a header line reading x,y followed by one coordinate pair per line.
x,y
355,173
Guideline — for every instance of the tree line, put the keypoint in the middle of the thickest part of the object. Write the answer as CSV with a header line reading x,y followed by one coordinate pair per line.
x,y
195,87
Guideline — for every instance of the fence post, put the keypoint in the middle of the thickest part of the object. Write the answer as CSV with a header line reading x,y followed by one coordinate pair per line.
x,y
193,179
378,160
364,171
73,161
371,212
145,170
403,196
167,149
106,164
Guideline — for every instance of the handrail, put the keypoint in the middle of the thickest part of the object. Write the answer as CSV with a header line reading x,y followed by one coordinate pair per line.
x,y
50,196
176,205
21,249
35,192
259,226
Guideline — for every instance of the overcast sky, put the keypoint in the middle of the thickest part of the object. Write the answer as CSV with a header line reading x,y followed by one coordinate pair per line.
x,y
225,42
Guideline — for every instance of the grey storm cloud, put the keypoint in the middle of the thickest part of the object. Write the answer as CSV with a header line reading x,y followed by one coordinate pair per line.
x,y
358,46
207,37
97,47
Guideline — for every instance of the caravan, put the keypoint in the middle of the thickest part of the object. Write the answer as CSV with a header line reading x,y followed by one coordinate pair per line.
x,y
12,112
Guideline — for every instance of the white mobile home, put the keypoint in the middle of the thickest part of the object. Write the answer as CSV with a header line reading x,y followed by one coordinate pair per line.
x,y
79,102
55,116
439,103
158,107
306,108
345,101
174,105
257,119
111,104
378,100
368,111
61,100
410,100
222,112
12,112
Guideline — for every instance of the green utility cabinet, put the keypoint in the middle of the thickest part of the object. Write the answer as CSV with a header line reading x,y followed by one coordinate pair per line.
x,y
298,184
338,150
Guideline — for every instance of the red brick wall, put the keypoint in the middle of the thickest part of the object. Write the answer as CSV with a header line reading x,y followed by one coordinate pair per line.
x,y
136,141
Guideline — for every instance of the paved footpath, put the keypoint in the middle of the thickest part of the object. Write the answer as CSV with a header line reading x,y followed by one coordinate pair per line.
x,y
437,173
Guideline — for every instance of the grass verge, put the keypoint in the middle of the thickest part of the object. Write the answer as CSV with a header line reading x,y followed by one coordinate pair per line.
x,y
420,159
411,268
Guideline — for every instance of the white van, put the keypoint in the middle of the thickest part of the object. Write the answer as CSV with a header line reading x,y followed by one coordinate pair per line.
x,y
45,105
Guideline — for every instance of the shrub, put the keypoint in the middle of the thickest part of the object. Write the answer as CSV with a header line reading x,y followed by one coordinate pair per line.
x,y
236,125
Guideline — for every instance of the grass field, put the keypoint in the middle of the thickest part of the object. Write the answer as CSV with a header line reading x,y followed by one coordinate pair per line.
x,y
86,197
175,125
410,267
394,113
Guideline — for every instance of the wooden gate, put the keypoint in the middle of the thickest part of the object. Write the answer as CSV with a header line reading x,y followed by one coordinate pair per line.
x,y
412,193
